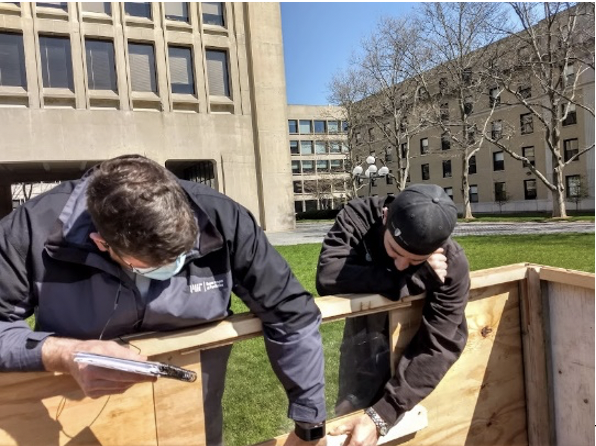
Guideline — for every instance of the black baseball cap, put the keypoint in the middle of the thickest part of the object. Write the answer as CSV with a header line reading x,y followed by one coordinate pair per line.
x,y
421,218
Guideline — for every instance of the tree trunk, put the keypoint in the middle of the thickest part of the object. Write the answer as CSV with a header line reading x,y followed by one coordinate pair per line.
x,y
559,207
465,188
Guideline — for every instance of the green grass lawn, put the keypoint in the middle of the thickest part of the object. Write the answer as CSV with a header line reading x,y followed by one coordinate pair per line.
x,y
255,405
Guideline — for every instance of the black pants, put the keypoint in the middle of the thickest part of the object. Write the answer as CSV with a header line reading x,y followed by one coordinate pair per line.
x,y
214,362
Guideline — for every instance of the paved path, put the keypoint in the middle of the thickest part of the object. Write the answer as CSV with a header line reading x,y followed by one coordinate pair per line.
x,y
315,232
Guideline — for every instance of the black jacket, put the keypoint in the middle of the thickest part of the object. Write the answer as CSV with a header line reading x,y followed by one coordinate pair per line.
x,y
353,260
48,265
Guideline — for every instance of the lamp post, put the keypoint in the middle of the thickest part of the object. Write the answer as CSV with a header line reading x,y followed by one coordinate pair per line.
x,y
372,173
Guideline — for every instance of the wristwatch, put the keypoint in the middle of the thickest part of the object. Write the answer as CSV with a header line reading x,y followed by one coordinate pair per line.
x,y
309,431
382,427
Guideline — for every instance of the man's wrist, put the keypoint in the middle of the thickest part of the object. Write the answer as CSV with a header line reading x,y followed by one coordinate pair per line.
x,y
309,431
56,353
382,426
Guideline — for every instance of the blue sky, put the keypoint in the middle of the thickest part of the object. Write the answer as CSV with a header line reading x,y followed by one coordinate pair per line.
x,y
319,39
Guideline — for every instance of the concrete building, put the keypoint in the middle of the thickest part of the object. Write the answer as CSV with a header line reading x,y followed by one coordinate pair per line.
x,y
198,87
317,144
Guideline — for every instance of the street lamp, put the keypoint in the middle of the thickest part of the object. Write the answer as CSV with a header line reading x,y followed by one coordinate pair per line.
x,y
371,173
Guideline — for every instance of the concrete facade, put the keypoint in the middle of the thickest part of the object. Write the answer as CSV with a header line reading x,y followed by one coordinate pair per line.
x,y
319,157
234,141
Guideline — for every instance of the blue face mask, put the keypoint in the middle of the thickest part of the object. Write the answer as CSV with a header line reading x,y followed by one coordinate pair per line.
x,y
164,272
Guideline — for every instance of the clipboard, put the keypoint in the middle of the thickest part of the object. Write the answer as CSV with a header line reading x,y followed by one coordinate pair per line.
x,y
148,368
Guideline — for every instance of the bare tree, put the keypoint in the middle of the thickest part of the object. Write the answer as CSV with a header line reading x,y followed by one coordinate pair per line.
x,y
541,67
450,65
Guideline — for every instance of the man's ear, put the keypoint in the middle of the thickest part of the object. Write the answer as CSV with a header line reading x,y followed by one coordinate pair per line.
x,y
385,216
99,241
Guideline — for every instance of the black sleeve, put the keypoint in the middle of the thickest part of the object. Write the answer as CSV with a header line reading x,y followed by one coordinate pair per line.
x,y
438,343
343,265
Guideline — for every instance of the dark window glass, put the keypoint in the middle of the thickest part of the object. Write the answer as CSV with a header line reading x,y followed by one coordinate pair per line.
x,y
530,189
493,97
573,186
423,146
571,117
138,9
337,165
472,165
528,152
500,192
176,11
308,166
292,126
56,62
213,13
571,148
473,194
467,76
334,147
12,61
101,68
181,73
294,150
295,167
497,129
297,187
444,111
445,142
320,127
425,171
526,123
525,92
449,192
142,67
54,5
447,169
217,73
298,206
498,161
322,166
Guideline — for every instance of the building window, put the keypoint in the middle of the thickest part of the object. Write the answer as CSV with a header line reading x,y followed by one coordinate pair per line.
x,y
423,94
333,126
467,76
308,166
323,166
217,73
425,171
298,206
571,148
444,111
320,127
472,165
473,194
305,127
142,67
403,125
293,127
306,148
471,134
468,105
498,161
295,167
449,192
447,169
294,150
344,126
12,61
54,5
445,142
496,129
56,63
371,134
530,190
443,84
571,115
500,192
297,187
494,98
320,148
337,165
97,7
525,91
177,11
526,123
569,73
181,72
213,13
528,152
101,68
573,186
423,146
334,147
138,9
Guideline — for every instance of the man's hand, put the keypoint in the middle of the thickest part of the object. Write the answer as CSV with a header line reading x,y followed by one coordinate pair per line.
x,y
361,431
293,440
58,356
438,262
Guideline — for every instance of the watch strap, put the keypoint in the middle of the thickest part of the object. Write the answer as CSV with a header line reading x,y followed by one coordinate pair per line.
x,y
382,426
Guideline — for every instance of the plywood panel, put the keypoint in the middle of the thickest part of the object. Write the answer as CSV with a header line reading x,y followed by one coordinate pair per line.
x,y
51,410
572,353
481,400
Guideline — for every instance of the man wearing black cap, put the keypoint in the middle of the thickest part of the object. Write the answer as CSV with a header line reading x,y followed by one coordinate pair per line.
x,y
396,249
